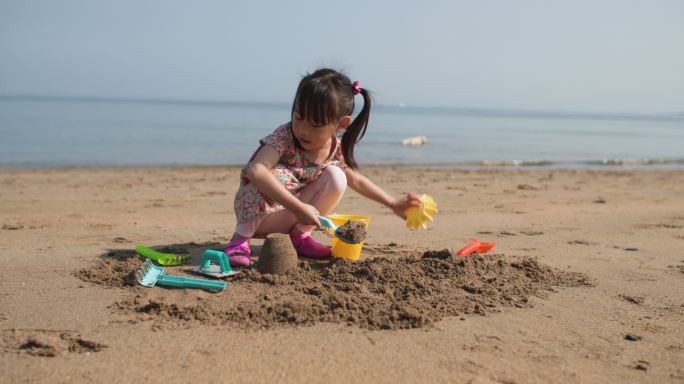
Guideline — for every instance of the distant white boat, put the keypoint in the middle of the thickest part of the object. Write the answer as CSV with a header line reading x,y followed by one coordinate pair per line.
x,y
416,140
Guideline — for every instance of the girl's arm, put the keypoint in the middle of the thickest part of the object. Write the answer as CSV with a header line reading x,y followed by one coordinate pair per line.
x,y
367,188
259,173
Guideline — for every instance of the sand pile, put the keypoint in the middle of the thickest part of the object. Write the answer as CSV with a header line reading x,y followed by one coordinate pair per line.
x,y
278,256
354,231
115,270
378,293
117,267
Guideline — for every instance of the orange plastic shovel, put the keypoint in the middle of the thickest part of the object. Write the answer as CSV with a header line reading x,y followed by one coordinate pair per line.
x,y
474,246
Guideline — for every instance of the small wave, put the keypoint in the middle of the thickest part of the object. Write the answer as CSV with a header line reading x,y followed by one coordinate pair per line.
x,y
564,164
635,162
515,163
615,162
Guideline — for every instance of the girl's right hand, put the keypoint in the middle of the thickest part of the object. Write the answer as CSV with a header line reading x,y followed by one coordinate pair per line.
x,y
400,206
308,215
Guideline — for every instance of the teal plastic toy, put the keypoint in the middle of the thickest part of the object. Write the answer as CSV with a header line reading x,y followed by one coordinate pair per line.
x,y
214,264
149,274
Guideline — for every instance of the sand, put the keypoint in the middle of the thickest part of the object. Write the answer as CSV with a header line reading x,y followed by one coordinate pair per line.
x,y
278,255
375,293
585,283
352,231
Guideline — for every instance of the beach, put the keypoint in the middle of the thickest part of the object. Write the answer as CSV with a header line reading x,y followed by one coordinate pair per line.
x,y
584,285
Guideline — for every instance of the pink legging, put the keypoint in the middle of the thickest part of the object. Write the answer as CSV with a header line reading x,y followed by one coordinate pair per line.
x,y
323,193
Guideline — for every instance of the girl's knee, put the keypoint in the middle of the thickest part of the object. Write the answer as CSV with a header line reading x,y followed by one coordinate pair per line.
x,y
335,178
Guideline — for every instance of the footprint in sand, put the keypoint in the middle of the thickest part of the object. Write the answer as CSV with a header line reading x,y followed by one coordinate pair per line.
x,y
506,233
632,299
581,242
527,187
641,365
532,233
669,226
659,225
47,343
19,227
679,267
13,227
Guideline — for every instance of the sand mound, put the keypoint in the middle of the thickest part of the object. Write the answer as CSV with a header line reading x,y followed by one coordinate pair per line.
x,y
378,293
115,269
278,256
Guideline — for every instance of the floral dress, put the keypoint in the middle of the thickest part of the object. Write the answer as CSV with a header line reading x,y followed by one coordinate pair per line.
x,y
294,171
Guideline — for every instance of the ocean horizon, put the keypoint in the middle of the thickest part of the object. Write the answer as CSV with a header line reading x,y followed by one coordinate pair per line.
x,y
55,131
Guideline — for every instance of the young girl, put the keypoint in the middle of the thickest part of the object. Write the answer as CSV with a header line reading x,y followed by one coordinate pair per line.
x,y
301,170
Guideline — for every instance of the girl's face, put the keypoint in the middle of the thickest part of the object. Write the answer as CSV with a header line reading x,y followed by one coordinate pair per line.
x,y
314,137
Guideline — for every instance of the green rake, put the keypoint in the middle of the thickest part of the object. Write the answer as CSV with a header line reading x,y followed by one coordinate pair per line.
x,y
168,259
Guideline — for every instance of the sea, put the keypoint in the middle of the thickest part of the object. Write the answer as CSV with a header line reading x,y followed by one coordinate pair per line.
x,y
84,132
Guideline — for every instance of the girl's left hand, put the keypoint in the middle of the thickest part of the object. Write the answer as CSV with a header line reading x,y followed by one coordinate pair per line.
x,y
401,205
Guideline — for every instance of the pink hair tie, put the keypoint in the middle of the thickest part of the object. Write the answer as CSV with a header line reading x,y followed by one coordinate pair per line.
x,y
357,90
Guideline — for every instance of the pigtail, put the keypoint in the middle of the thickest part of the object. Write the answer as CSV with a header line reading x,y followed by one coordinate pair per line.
x,y
326,96
356,130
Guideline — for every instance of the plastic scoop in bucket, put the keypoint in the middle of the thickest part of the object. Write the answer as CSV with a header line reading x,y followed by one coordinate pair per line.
x,y
340,248
417,217
326,222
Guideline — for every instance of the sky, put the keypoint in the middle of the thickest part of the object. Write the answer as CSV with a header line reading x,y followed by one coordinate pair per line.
x,y
573,55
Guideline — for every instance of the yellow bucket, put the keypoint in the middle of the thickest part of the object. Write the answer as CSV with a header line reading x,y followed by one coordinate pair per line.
x,y
340,248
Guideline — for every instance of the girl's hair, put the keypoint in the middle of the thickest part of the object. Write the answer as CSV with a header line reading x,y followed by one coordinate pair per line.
x,y
326,96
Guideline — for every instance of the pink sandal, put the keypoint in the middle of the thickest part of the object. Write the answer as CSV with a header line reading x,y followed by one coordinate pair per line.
x,y
238,253
308,247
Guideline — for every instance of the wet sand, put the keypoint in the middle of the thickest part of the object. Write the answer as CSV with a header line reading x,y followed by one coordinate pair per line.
x,y
585,283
